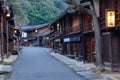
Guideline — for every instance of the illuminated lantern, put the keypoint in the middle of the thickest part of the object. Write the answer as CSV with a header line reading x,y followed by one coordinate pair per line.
x,y
110,18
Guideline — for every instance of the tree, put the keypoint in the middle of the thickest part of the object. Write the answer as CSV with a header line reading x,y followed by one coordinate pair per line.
x,y
20,16
35,12
91,11
43,11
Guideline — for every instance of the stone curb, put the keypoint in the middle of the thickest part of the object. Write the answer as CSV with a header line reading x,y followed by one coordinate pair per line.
x,y
10,60
80,70
6,66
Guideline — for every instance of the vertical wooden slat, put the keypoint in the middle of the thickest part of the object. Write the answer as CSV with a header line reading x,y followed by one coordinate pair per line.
x,y
115,52
106,48
2,44
89,47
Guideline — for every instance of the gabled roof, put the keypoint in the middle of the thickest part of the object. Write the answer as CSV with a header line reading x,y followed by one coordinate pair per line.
x,y
44,33
30,28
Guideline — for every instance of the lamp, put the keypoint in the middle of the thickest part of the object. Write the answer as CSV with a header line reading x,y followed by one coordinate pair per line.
x,y
15,31
8,14
7,11
58,24
110,18
47,38
36,30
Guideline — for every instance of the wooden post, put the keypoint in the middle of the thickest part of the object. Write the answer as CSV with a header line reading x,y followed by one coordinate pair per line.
x,y
83,56
7,35
1,25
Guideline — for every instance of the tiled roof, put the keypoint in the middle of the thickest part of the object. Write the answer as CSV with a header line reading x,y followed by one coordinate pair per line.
x,y
44,33
29,28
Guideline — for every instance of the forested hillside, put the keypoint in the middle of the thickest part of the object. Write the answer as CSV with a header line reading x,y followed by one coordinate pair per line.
x,y
34,12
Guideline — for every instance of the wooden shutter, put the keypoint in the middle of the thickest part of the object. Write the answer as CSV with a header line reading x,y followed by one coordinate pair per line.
x,y
106,48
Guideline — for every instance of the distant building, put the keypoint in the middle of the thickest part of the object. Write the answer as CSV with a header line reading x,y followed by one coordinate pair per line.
x,y
35,35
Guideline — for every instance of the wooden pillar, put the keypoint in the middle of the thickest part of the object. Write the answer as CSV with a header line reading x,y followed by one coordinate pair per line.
x,y
7,35
2,44
82,46
5,32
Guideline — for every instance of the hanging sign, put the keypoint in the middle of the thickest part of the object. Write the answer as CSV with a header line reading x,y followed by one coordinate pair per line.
x,y
110,18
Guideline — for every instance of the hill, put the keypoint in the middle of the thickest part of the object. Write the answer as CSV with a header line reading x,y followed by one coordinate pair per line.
x,y
34,12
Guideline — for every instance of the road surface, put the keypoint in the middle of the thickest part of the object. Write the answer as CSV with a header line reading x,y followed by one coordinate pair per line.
x,y
36,64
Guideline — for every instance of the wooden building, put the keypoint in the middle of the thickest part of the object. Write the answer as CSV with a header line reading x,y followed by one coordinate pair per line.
x,y
12,34
36,35
110,33
73,35
31,35
6,29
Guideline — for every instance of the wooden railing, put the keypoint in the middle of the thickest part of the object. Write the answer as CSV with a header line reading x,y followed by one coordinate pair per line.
x,y
78,28
73,29
88,27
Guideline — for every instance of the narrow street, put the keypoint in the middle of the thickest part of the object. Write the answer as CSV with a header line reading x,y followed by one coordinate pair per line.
x,y
35,64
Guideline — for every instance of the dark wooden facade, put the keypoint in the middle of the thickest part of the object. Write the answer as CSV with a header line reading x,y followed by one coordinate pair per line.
x,y
110,35
6,29
36,35
73,35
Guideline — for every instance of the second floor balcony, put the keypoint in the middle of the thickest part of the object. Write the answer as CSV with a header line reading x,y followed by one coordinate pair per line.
x,y
88,27
73,30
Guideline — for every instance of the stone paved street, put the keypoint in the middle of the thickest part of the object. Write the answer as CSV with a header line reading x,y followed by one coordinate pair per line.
x,y
36,64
